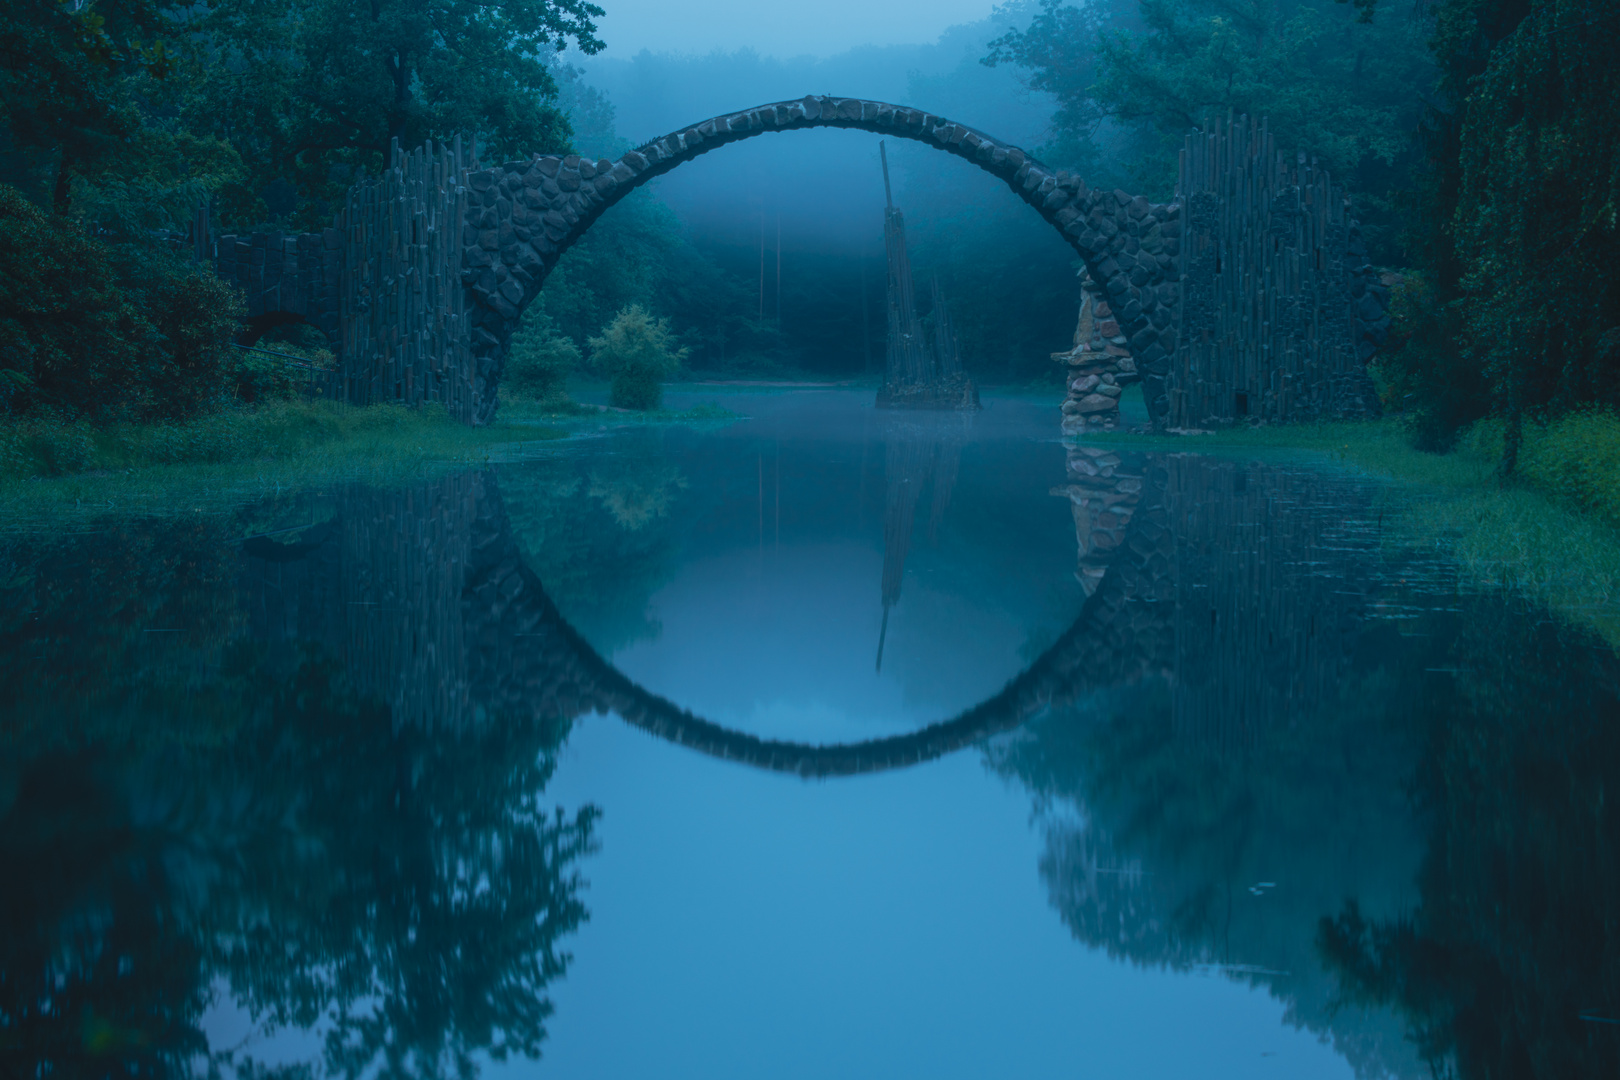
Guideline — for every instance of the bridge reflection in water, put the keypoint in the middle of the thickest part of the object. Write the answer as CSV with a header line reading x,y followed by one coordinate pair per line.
x,y
1201,571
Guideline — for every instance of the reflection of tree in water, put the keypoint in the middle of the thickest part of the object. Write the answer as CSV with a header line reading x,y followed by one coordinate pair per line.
x,y
1256,773
1248,803
918,452
600,539
637,500
1510,966
368,858
103,635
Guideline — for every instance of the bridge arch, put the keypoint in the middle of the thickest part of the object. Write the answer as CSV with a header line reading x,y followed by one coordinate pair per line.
x,y
541,665
461,632
522,216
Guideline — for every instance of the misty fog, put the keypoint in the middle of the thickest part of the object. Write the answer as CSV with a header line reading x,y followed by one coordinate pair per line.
x,y
796,219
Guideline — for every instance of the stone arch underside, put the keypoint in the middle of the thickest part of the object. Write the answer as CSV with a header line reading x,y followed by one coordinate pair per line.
x,y
522,216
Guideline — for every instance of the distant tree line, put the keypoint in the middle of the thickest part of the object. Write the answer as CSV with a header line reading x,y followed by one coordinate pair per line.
x,y
1478,137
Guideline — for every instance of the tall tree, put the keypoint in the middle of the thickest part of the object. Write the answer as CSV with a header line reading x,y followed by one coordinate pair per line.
x,y
66,81
1538,164
1332,84
313,88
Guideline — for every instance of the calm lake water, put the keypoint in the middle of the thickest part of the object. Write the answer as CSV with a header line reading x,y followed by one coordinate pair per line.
x,y
824,742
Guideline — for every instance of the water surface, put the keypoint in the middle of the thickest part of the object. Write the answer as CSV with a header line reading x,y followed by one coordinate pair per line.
x,y
822,742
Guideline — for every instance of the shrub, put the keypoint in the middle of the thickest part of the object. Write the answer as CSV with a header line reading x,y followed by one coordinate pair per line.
x,y
196,314
277,370
637,352
45,444
540,358
132,333
1423,372
1576,458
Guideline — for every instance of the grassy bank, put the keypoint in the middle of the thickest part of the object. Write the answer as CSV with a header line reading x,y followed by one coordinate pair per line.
x,y
53,469
1550,533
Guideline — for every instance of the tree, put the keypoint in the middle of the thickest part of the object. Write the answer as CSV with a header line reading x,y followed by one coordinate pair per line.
x,y
638,352
89,330
1536,217
67,78
540,358
1342,89
316,88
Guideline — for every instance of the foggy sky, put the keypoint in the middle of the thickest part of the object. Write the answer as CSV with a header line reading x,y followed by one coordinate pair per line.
x,y
777,29
823,189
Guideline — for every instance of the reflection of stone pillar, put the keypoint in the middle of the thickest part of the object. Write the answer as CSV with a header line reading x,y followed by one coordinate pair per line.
x,y
406,554
928,448
1103,492
1100,366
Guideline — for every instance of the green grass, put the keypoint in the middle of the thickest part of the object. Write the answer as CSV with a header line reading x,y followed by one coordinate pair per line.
x,y
56,471
1551,533
52,470
561,409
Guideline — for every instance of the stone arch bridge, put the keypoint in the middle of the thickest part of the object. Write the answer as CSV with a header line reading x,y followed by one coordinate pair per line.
x,y
425,273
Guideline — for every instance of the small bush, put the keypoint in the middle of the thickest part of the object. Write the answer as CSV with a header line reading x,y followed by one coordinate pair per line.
x,y
1424,373
1576,458
540,358
638,353
276,370
46,444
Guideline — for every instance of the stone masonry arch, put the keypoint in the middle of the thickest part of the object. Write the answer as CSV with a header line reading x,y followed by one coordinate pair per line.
x,y
522,216
1248,298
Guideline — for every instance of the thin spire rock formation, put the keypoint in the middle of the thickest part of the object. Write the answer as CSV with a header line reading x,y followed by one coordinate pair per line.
x,y
919,372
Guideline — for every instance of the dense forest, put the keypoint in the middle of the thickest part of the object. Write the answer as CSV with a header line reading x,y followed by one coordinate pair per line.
x,y
1475,136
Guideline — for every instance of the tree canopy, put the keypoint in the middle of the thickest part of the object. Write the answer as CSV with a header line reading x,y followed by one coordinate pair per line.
x,y
314,88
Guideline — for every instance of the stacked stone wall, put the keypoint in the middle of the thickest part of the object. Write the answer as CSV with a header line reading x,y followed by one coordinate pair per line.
x,y
291,275
1280,308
